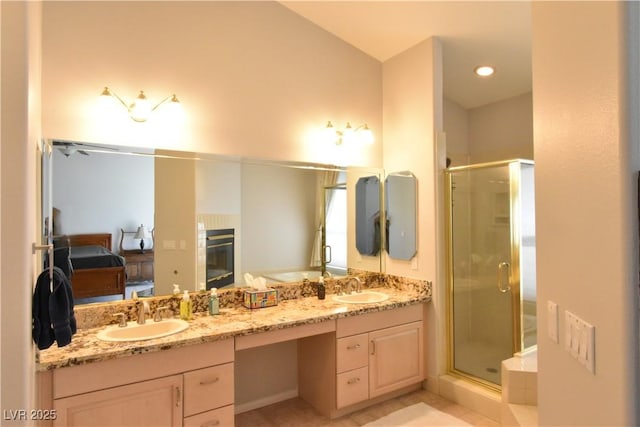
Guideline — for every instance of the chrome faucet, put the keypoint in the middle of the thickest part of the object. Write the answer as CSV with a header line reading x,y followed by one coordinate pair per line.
x,y
143,309
158,316
122,319
358,284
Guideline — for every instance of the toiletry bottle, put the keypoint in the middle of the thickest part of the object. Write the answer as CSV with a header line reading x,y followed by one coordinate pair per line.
x,y
176,289
214,303
321,290
185,306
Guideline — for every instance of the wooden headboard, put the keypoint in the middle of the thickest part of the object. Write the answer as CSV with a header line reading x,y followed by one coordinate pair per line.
x,y
99,239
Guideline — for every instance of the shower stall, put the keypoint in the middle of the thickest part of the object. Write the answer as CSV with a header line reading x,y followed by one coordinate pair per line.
x,y
491,266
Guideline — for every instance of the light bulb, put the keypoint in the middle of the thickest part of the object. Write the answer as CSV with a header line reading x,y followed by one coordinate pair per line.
x,y
366,135
140,109
348,135
484,70
330,134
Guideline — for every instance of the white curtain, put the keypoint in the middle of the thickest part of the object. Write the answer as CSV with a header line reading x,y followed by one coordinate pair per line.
x,y
323,179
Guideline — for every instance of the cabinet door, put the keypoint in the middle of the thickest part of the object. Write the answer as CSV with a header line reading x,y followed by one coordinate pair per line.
x,y
395,358
149,403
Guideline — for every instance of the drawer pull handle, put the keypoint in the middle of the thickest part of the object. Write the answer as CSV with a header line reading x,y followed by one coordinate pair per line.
x,y
373,347
211,423
354,380
178,397
211,381
353,347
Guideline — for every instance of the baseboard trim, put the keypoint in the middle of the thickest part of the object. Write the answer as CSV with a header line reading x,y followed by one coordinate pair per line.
x,y
473,396
265,401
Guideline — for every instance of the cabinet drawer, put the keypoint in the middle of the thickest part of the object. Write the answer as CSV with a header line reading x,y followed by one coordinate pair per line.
x,y
352,387
351,352
220,417
208,388
382,319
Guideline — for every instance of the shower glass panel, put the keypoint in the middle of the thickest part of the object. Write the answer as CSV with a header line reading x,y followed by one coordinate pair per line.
x,y
491,266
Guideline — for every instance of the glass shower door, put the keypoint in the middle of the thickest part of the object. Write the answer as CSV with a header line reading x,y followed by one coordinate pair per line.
x,y
485,205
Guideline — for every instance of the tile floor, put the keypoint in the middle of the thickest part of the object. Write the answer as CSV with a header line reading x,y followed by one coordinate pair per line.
x,y
297,413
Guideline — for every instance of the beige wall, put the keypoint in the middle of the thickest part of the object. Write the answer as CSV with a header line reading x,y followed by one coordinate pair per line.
x,y
19,137
501,130
456,126
412,111
586,209
253,78
175,221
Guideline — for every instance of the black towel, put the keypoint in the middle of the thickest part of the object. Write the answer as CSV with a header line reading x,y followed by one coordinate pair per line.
x,y
41,330
53,317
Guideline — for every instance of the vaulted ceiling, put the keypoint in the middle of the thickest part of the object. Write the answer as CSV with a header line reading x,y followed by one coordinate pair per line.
x,y
472,33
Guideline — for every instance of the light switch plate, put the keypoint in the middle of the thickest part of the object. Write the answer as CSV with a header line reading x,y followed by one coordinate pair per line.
x,y
580,340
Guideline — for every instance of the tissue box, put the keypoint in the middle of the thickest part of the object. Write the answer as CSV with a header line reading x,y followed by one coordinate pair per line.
x,y
260,299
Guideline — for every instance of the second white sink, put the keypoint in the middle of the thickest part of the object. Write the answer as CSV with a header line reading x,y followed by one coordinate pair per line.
x,y
365,297
135,332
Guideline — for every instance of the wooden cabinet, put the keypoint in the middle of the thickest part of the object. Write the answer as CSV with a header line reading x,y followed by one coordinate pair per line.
x,y
139,265
148,403
373,355
381,361
396,358
208,396
192,385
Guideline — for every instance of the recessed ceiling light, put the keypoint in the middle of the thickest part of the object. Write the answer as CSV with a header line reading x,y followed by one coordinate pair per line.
x,y
484,70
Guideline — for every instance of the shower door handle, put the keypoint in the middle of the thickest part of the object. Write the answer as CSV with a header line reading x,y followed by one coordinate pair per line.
x,y
328,258
504,275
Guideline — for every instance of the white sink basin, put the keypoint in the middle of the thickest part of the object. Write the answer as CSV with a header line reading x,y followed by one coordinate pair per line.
x,y
365,297
135,332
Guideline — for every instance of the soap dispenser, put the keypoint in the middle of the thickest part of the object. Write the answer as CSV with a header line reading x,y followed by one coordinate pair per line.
x,y
321,289
214,303
185,306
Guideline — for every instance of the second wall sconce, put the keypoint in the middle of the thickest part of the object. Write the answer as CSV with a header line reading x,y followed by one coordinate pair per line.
x,y
359,134
140,109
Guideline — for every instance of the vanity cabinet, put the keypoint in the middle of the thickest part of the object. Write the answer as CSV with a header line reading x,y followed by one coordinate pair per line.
x,y
396,358
370,357
147,403
182,386
208,396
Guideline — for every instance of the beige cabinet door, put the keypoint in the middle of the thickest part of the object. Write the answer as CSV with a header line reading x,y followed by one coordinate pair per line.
x,y
149,403
395,358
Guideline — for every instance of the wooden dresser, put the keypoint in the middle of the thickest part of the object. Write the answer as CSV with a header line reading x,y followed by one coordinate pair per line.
x,y
139,265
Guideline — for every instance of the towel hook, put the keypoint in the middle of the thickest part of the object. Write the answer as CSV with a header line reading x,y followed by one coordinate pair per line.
x,y
49,249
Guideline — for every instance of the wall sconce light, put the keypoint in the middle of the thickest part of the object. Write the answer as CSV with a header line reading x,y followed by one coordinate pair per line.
x,y
361,134
140,109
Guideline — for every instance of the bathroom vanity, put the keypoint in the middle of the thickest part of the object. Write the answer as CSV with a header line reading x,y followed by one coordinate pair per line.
x,y
349,356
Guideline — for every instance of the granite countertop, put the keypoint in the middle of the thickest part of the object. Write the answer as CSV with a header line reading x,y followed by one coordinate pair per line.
x,y
85,347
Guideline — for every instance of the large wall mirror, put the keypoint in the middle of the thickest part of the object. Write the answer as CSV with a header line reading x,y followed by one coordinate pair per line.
x,y
199,217
368,215
401,208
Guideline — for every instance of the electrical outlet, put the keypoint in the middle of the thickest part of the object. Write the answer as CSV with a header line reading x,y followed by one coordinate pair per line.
x,y
580,340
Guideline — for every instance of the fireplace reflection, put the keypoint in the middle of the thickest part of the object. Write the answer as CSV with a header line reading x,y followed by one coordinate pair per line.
x,y
220,264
